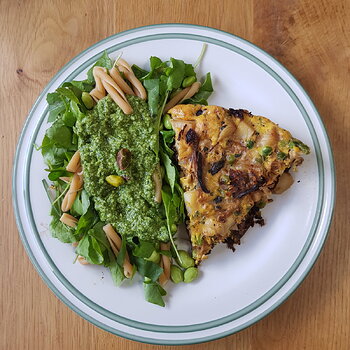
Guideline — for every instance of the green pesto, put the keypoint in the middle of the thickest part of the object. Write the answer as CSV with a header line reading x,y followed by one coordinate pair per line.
x,y
130,207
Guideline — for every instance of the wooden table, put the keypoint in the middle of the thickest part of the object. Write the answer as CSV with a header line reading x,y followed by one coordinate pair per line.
x,y
311,38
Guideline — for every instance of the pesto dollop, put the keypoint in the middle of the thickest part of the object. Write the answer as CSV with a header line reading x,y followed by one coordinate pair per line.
x,y
102,133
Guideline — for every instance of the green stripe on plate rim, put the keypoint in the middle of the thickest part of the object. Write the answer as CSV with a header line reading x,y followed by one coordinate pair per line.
x,y
319,161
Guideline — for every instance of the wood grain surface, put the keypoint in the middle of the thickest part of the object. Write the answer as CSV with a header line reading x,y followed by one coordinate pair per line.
x,y
311,38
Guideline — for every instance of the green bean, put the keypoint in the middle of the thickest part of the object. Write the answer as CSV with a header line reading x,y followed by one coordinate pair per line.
x,y
166,122
176,274
188,81
186,260
190,274
87,100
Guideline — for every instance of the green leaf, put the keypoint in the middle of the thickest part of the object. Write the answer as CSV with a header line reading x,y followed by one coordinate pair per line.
x,y
176,74
85,200
56,174
143,249
189,70
139,72
69,118
154,293
152,87
86,221
98,233
167,140
207,84
56,105
117,271
91,250
61,231
122,252
77,207
148,268
103,61
204,92
66,92
60,135
170,170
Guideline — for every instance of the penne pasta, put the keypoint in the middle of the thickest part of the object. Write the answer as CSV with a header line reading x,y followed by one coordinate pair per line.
x,y
69,198
69,220
183,95
116,244
118,98
138,88
176,99
165,263
114,73
74,163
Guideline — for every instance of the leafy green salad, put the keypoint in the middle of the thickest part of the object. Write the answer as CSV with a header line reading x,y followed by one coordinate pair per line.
x,y
113,182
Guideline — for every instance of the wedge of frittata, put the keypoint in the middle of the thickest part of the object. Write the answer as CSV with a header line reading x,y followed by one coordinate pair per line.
x,y
231,162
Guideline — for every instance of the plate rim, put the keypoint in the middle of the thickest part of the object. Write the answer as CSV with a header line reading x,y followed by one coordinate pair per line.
x,y
295,285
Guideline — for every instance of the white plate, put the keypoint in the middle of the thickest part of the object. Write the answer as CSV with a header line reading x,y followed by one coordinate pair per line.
x,y
234,290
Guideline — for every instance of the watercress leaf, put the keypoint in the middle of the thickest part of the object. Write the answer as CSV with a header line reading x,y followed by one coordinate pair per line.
x,y
163,84
162,291
66,92
90,249
143,250
56,174
168,136
148,268
53,97
189,70
84,85
122,252
85,200
207,84
170,170
176,74
97,232
61,231
69,118
77,207
117,271
56,106
61,135
53,155
152,87
166,253
167,139
86,221
139,72
103,61
75,110
153,293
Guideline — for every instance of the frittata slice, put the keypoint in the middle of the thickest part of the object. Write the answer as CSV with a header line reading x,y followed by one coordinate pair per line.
x,y
231,161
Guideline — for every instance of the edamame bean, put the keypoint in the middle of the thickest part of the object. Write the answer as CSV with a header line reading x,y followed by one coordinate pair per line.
x,y
188,81
155,257
166,122
186,260
190,274
176,274
87,100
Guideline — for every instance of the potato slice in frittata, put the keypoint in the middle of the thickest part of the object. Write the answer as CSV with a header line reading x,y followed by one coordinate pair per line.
x,y
231,161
